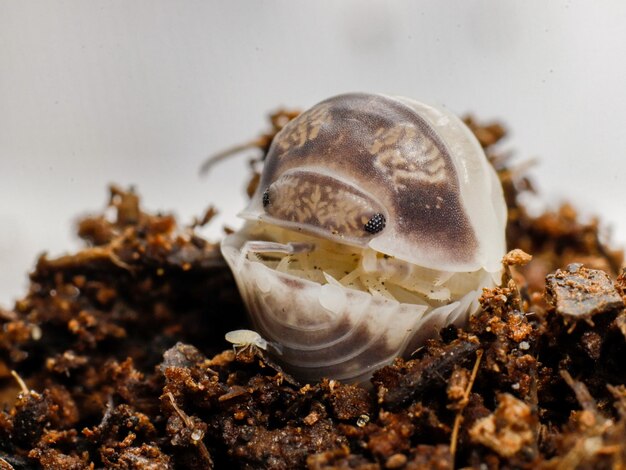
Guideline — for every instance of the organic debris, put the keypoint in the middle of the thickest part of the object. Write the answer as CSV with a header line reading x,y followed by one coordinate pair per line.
x,y
581,292
116,359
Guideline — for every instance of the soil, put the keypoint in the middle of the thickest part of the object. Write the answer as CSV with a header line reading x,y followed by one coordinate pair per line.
x,y
116,359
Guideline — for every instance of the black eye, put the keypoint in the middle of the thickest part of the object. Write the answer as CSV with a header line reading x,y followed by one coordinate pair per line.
x,y
375,224
266,198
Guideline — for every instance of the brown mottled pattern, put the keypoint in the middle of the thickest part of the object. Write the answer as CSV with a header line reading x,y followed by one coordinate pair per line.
x,y
386,149
304,129
396,155
321,201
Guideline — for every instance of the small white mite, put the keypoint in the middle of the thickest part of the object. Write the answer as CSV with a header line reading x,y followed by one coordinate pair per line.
x,y
378,220
245,338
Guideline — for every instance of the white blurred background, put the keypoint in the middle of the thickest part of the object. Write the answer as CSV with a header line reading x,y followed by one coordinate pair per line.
x,y
140,92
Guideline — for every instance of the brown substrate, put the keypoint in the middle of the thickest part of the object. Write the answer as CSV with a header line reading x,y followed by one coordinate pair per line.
x,y
120,362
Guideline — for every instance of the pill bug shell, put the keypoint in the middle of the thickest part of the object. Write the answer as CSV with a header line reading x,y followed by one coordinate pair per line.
x,y
378,174
362,154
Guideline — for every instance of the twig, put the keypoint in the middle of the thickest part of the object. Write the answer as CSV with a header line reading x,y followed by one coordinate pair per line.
x,y
190,425
582,394
463,403
213,160
20,382
96,253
